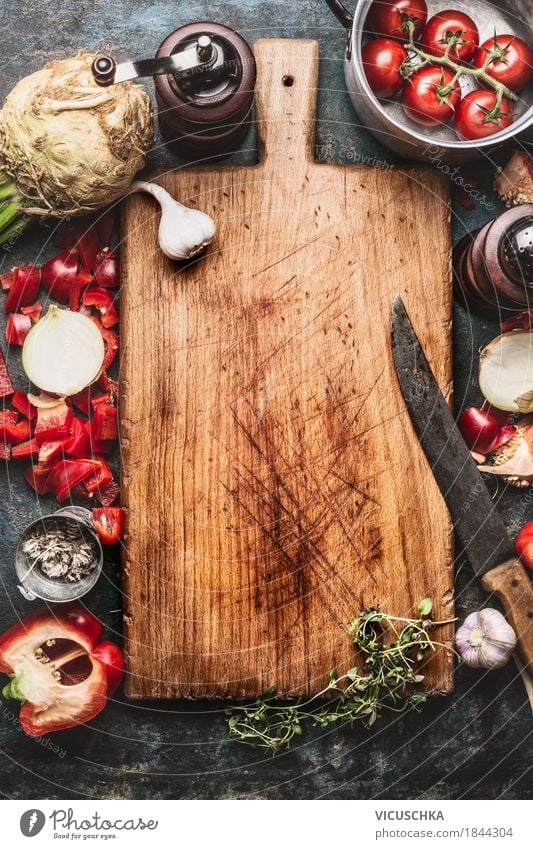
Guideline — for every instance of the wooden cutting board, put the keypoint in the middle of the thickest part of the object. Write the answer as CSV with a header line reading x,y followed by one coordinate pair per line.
x,y
273,483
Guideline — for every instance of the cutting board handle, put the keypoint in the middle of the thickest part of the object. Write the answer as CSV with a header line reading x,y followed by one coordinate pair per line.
x,y
287,78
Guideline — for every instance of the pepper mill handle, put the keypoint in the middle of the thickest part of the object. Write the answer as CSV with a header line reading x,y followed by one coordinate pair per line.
x,y
103,69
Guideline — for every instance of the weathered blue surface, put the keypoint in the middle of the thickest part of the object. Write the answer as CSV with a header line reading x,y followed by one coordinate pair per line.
x,y
472,744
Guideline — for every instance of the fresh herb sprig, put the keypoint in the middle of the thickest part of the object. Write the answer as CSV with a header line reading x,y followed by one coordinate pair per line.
x,y
388,680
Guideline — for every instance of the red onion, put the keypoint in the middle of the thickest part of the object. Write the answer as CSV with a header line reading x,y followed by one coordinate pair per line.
x,y
482,432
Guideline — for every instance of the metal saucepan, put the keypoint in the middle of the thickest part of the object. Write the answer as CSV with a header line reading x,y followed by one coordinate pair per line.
x,y
386,118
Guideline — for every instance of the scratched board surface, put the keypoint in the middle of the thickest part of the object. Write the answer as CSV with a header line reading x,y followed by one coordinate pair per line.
x,y
274,486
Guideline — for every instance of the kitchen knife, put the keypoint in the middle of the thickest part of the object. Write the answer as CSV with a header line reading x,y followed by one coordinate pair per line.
x,y
475,516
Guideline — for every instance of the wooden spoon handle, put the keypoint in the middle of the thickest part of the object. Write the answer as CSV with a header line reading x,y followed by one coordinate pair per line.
x,y
513,587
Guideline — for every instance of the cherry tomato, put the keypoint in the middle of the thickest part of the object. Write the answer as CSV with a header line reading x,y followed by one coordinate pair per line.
x,y
524,545
451,28
390,17
430,96
510,60
382,58
476,116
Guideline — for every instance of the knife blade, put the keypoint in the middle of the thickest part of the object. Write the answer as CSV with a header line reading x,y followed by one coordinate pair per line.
x,y
474,513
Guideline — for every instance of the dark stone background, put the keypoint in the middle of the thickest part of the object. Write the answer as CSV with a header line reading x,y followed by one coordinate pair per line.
x,y
470,745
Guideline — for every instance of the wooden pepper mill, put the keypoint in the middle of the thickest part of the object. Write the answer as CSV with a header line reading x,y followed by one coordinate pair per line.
x,y
204,75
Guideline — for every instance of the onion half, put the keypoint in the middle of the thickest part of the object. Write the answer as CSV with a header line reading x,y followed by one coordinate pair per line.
x,y
506,372
63,353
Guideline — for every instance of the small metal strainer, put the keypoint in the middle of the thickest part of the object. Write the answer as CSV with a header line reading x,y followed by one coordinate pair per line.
x,y
77,523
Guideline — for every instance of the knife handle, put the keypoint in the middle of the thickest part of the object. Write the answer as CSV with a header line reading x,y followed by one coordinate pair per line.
x,y
513,587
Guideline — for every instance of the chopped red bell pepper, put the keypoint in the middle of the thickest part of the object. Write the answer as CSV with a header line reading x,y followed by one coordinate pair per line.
x,y
111,343
82,400
99,446
81,280
6,280
53,422
109,385
106,270
88,245
22,403
79,493
109,523
108,494
105,425
101,477
24,289
14,433
5,451
78,443
59,668
103,301
17,328
50,451
37,476
59,274
66,474
26,449
8,417
104,398
6,387
34,311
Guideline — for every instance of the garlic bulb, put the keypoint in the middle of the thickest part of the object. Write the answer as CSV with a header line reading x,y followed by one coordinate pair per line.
x,y
183,232
485,639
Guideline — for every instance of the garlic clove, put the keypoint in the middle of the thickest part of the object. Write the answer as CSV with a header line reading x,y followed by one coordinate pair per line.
x,y
183,232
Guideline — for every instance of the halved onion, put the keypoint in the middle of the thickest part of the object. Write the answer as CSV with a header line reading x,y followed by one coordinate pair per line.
x,y
63,353
506,372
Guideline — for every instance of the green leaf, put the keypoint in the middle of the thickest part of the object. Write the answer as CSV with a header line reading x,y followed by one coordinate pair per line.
x,y
425,607
269,693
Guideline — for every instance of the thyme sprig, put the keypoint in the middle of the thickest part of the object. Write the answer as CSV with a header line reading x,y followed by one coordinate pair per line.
x,y
387,680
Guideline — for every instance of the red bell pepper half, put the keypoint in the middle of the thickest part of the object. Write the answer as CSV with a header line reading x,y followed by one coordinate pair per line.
x,y
24,289
53,422
106,270
17,328
30,448
59,274
22,403
59,668
103,301
14,433
6,387
109,524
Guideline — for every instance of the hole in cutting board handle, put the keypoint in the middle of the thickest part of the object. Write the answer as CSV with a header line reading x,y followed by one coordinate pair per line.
x,y
288,81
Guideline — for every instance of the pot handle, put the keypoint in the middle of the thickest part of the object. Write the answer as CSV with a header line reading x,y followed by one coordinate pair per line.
x,y
341,13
